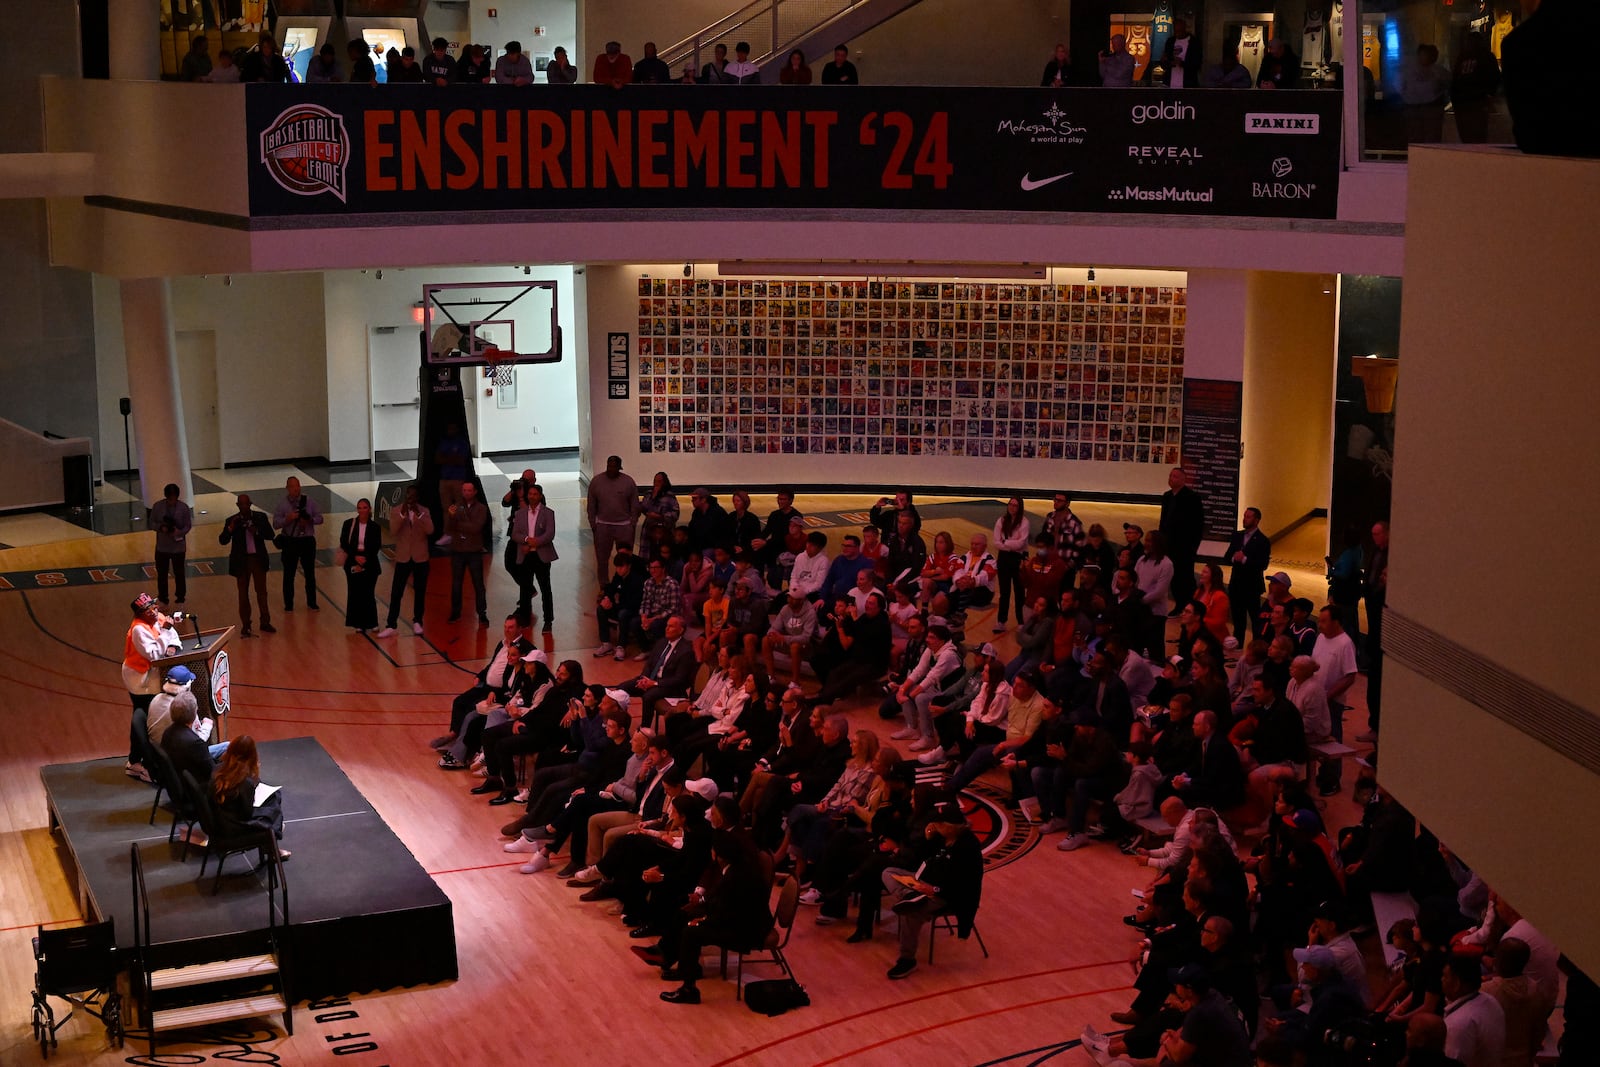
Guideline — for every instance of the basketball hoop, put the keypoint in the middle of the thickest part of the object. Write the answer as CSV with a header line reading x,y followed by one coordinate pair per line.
x,y
499,370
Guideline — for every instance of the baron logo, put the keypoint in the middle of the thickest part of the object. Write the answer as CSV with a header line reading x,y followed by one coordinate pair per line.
x,y
1276,122
306,150
1282,167
1053,127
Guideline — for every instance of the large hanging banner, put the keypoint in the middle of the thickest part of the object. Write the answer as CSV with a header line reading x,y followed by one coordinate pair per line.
x,y
320,150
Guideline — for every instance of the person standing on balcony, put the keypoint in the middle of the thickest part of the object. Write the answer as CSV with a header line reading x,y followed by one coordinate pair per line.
x,y
1180,59
613,67
197,63
795,71
439,69
1116,66
841,71
1058,71
513,68
561,71
362,70
716,71
650,70
741,70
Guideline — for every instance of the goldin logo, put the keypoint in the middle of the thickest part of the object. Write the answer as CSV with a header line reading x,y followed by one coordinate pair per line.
x,y
306,150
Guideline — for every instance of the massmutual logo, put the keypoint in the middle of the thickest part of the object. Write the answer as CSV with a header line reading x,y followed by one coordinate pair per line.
x,y
1167,111
306,150
1053,127
1282,167
1279,122
1165,194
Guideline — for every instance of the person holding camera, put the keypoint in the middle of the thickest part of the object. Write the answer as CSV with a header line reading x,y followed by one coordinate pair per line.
x,y
248,533
172,520
296,518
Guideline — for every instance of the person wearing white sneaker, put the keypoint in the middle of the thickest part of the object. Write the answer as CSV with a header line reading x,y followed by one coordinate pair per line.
x,y
1024,716
617,607
939,661
521,845
539,862
412,525
1091,768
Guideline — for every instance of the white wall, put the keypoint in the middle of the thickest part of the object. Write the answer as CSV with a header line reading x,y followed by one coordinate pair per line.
x,y
517,20
933,43
1215,351
271,400
1497,429
360,300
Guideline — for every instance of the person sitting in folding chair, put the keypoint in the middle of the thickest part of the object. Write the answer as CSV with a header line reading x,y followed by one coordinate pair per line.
x,y
734,913
948,882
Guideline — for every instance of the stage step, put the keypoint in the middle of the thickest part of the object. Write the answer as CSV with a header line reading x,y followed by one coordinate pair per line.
x,y
218,1012
216,971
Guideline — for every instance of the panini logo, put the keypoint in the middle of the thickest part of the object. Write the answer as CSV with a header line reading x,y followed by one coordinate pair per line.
x,y
306,150
1273,122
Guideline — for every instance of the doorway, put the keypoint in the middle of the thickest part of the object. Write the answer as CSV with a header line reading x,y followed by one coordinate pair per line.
x,y
197,387
394,367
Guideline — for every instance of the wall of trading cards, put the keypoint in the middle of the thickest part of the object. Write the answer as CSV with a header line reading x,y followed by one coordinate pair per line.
x,y
821,367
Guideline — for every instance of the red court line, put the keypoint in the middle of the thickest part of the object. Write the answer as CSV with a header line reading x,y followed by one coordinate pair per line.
x,y
915,1000
967,1019
35,926
480,867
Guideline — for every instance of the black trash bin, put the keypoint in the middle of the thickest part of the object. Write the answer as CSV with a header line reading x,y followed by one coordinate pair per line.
x,y
77,481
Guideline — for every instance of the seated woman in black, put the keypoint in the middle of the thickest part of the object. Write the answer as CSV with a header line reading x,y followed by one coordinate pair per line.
x,y
735,913
233,787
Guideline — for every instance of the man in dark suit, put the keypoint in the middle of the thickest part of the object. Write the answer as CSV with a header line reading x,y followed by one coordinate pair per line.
x,y
669,669
1129,614
494,678
949,881
1183,521
185,749
249,533
734,913
1249,551
1215,779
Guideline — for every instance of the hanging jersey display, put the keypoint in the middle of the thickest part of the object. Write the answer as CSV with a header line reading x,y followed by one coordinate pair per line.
x,y
1138,36
1314,44
1504,23
1252,43
1336,32
1160,29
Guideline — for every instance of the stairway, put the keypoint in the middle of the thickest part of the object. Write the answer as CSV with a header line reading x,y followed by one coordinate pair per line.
x,y
216,991
185,984
774,28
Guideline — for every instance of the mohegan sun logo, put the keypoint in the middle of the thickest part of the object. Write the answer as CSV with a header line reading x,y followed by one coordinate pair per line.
x,y
306,150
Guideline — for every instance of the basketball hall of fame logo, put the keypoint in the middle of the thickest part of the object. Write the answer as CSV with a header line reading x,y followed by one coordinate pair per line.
x,y
306,150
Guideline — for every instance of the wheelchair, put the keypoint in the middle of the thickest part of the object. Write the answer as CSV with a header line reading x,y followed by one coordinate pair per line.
x,y
79,965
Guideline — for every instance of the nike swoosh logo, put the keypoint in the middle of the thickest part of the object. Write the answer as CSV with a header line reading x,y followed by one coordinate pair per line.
x,y
1029,184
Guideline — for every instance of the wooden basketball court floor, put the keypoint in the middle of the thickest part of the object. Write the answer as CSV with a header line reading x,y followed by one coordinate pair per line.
x,y
543,976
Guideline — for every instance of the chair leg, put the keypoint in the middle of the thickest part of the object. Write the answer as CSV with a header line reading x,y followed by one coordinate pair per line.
x,y
216,884
738,989
980,940
155,804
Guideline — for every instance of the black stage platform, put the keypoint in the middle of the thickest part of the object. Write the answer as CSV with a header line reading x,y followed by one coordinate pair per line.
x,y
363,913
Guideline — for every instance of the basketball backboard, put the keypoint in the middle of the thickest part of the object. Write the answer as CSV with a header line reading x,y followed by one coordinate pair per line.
x,y
474,323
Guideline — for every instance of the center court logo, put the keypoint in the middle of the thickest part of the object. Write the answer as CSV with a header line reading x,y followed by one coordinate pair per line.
x,y
306,150
1053,127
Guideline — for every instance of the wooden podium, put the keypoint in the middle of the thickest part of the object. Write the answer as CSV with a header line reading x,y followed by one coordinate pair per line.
x,y
205,653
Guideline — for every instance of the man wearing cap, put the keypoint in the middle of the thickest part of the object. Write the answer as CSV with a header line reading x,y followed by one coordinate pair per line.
x,y
949,881
151,636
1333,1000
1248,553
249,533
613,508
1212,1034
1183,524
793,630
741,70
177,681
613,67
1330,927
439,68
1278,595
513,68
